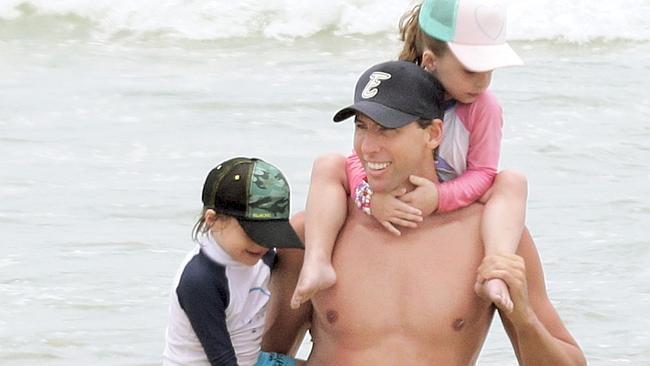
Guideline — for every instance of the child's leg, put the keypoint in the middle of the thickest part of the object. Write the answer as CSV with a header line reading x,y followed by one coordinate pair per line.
x,y
324,216
502,226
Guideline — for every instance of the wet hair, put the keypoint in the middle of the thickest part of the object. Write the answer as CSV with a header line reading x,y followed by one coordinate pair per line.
x,y
424,123
415,40
201,226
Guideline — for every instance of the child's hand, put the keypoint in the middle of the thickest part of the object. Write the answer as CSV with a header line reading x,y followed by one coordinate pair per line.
x,y
390,210
424,196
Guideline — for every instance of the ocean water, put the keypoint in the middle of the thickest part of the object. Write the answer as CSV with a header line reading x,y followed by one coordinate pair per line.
x,y
112,113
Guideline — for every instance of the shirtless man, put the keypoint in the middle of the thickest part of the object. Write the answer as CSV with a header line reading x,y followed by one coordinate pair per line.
x,y
410,300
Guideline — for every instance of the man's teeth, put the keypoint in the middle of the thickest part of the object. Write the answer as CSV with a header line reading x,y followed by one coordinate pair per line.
x,y
377,166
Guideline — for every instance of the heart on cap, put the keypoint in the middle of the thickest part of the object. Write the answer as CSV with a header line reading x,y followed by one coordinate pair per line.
x,y
490,20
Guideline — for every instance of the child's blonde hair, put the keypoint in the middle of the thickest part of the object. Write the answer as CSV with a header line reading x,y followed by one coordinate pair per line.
x,y
415,40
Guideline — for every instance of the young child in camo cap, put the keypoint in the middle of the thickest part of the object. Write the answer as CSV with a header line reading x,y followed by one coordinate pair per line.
x,y
220,293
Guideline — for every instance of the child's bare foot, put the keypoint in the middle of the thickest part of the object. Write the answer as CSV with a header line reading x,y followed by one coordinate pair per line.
x,y
313,278
497,292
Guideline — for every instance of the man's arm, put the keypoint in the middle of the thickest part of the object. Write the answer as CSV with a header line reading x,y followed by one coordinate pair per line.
x,y
286,327
536,331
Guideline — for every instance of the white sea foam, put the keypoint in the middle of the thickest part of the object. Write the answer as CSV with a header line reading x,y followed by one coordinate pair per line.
x,y
571,21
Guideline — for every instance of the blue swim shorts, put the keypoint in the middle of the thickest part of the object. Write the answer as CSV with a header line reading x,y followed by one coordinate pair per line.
x,y
274,359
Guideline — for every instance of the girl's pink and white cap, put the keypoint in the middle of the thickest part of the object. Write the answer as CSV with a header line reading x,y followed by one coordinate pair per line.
x,y
474,30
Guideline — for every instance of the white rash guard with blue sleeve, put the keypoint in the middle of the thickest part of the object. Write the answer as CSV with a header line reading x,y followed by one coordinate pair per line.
x,y
217,308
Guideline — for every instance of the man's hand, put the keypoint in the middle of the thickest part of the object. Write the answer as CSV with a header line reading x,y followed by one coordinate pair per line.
x,y
511,269
423,197
390,210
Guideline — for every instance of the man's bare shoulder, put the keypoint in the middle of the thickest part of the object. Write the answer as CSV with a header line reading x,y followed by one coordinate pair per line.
x,y
470,215
467,215
470,212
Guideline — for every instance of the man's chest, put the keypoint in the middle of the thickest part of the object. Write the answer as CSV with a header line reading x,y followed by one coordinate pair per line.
x,y
419,285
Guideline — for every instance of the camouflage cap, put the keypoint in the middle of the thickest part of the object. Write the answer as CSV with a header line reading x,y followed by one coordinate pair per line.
x,y
256,193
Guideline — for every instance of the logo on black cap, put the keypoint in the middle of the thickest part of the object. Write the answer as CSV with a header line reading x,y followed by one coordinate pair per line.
x,y
370,90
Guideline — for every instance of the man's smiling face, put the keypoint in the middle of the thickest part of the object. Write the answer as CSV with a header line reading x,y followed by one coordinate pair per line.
x,y
389,155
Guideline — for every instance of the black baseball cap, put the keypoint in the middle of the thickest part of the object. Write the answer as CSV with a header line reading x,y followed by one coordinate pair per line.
x,y
255,193
396,93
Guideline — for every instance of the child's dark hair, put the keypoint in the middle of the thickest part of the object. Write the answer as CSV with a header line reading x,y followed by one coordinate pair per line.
x,y
201,227
415,40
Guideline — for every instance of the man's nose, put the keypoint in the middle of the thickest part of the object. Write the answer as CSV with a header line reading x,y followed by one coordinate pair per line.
x,y
369,143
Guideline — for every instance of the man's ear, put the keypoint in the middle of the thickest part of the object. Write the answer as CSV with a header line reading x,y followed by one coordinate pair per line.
x,y
434,135
429,61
